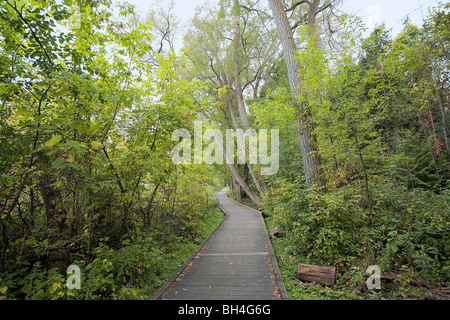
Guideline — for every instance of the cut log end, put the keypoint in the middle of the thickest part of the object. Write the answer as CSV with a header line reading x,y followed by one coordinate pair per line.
x,y
274,233
317,274
438,294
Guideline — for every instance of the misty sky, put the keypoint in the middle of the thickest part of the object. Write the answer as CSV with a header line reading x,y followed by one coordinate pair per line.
x,y
391,12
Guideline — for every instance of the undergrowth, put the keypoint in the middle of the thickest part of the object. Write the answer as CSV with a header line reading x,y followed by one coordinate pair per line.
x,y
134,271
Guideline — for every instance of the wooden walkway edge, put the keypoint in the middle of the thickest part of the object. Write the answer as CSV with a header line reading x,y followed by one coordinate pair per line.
x,y
235,262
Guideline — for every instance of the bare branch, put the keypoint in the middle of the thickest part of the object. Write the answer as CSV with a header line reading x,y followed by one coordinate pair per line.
x,y
295,5
323,8
259,12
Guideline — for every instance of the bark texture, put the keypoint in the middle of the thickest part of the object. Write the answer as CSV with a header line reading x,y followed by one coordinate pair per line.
x,y
311,158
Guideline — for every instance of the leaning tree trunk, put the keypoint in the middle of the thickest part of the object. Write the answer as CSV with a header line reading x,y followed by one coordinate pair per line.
x,y
311,158
256,200
256,179
259,181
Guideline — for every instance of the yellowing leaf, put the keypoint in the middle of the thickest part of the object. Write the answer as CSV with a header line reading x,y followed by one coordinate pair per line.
x,y
70,159
96,145
54,140
55,287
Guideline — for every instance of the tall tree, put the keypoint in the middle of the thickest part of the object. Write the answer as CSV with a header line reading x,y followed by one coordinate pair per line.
x,y
310,153
238,68
223,49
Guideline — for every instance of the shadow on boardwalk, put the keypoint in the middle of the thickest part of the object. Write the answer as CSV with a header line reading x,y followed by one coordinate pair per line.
x,y
235,263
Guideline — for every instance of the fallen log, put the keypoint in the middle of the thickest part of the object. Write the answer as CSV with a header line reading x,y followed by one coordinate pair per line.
x,y
317,274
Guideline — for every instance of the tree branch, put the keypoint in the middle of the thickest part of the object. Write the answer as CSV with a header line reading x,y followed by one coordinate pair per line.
x,y
32,32
295,5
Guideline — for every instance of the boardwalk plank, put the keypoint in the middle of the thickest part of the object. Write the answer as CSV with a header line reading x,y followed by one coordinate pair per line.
x,y
235,263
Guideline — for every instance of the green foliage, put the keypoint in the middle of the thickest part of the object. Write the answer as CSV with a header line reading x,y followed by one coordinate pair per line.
x,y
85,162
381,129
135,271
88,109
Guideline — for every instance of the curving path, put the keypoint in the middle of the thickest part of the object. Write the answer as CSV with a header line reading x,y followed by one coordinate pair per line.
x,y
235,263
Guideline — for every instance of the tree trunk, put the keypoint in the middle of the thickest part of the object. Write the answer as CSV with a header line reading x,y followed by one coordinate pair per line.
x,y
237,73
256,179
233,169
366,178
240,99
311,158
238,190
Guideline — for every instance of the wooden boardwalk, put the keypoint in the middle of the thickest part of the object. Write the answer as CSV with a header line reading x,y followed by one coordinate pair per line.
x,y
235,263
